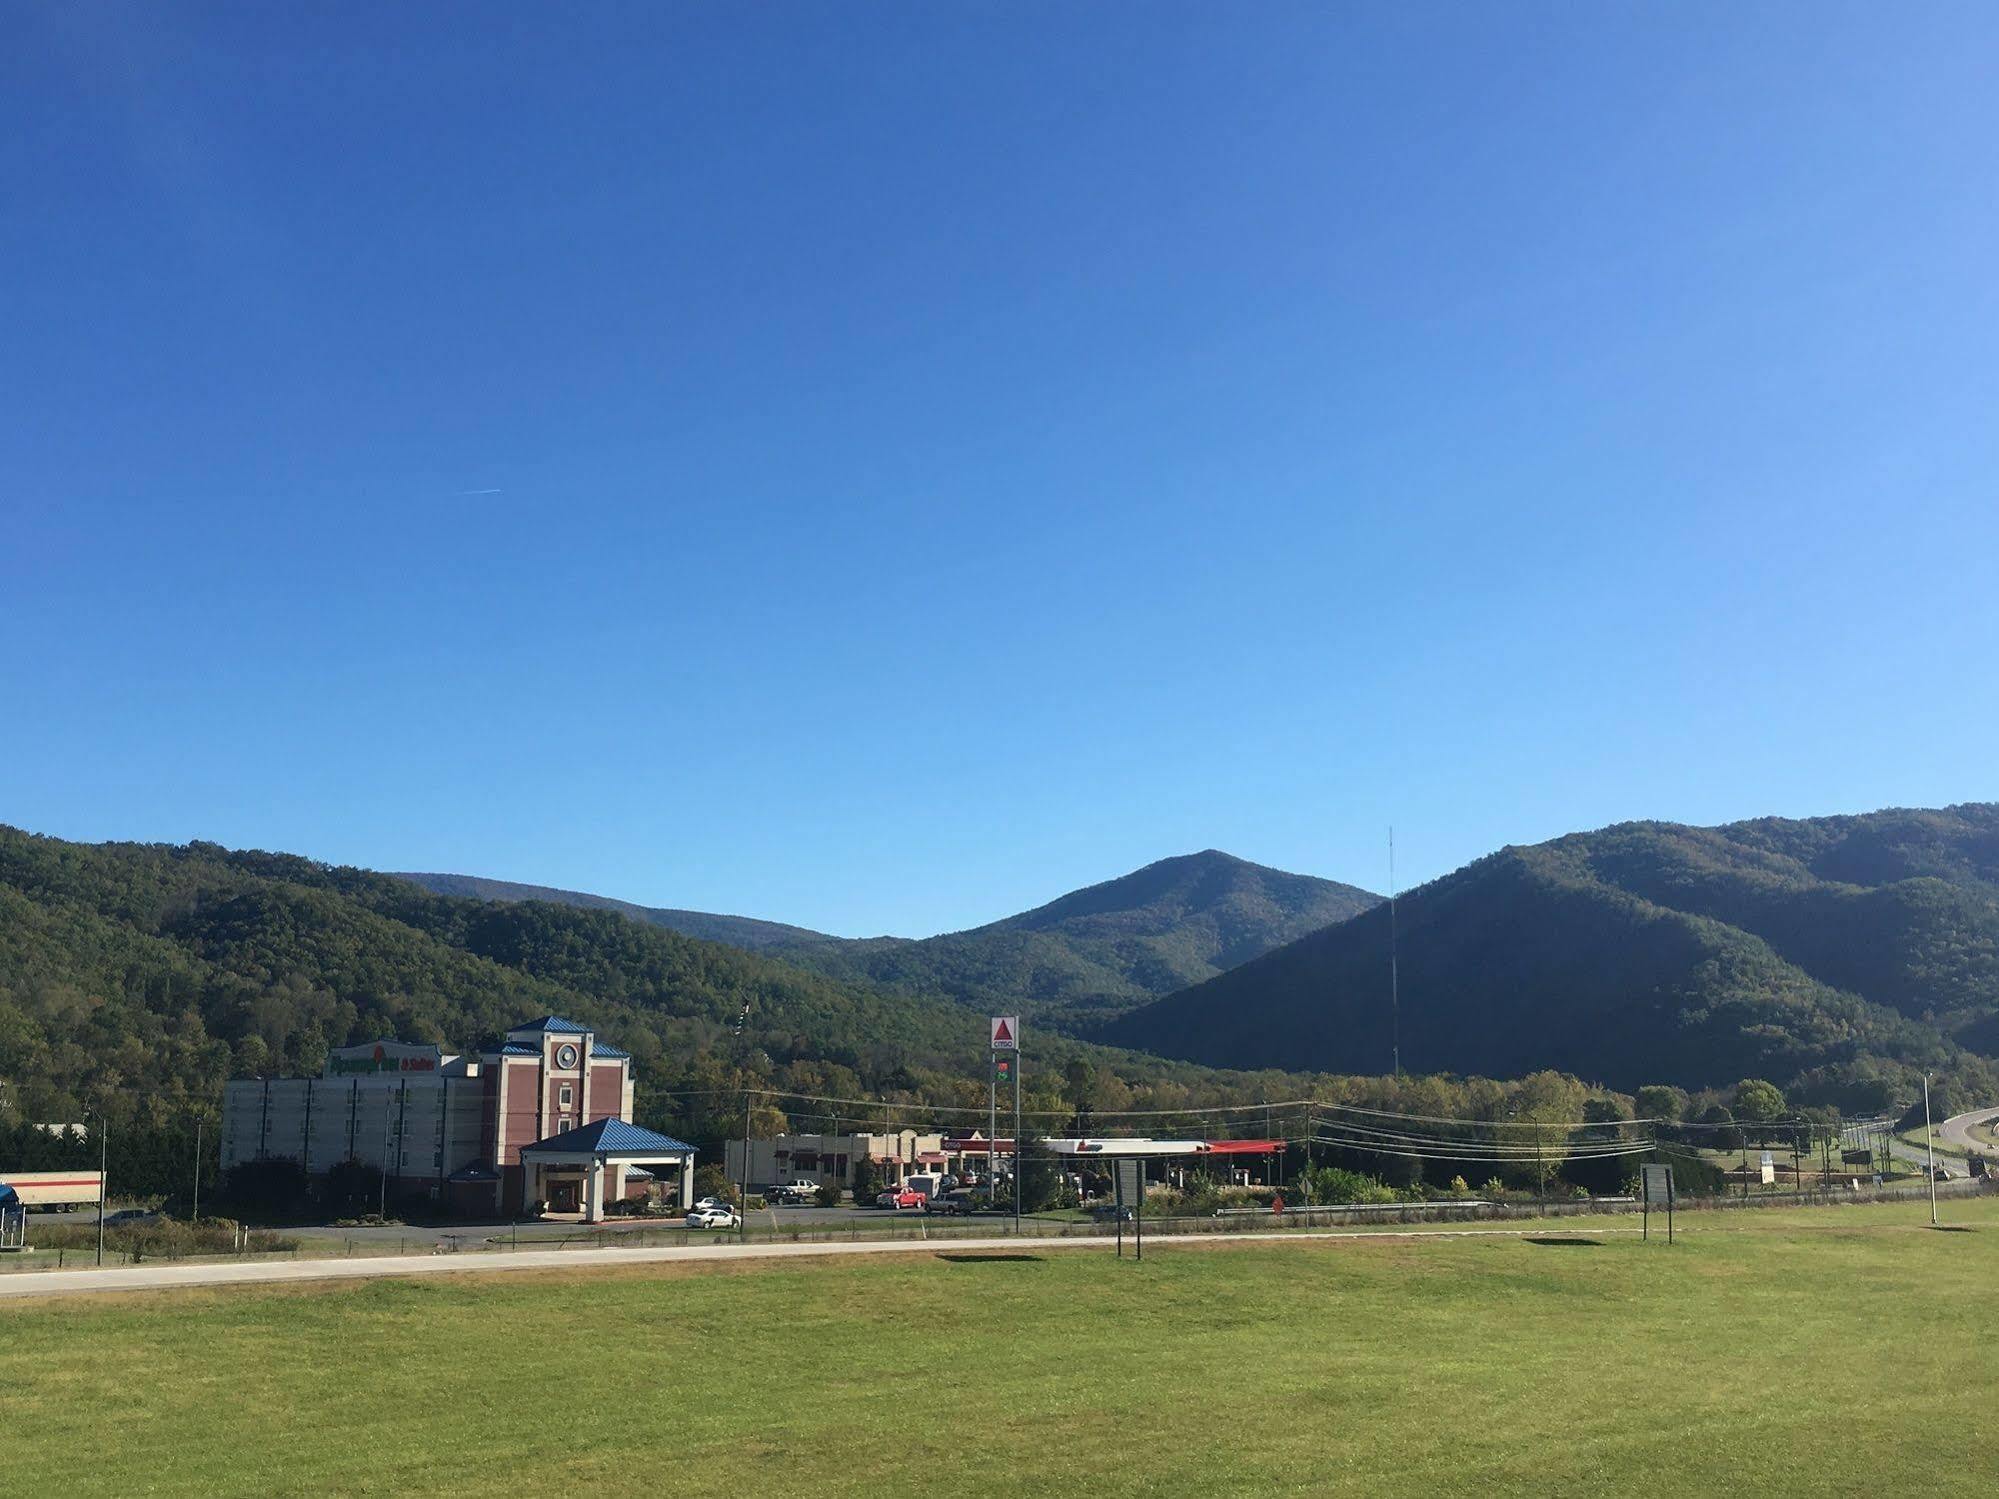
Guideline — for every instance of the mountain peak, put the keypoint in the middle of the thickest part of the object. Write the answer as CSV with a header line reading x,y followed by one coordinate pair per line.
x,y
1819,952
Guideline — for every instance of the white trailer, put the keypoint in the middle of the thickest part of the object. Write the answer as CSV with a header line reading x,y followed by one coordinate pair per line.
x,y
58,1190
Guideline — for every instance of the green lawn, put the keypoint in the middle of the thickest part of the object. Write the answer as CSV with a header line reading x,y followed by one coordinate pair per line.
x,y
1830,1351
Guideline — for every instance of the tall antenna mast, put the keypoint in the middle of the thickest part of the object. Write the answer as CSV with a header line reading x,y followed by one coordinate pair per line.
x,y
1394,972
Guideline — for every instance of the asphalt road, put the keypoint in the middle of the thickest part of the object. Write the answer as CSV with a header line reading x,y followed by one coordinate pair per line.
x,y
478,1233
271,1272
1972,1131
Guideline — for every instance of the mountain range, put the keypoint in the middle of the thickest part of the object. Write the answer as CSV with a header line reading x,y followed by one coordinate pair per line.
x,y
137,977
1824,953
1837,956
1079,960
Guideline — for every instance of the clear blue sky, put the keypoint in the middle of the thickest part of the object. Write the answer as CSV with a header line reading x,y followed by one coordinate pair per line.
x,y
879,467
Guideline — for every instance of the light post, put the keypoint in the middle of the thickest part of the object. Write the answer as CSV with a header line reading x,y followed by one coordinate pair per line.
x,y
382,1209
1929,1135
103,1175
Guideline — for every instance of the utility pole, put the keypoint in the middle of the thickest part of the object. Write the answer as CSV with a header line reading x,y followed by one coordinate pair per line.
x,y
195,1214
103,1178
382,1211
743,1216
743,1186
1019,1165
1929,1135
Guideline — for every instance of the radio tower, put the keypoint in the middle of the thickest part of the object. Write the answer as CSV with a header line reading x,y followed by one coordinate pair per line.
x,y
1394,974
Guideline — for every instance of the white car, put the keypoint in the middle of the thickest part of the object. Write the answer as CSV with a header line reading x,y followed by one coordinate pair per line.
x,y
719,1216
709,1204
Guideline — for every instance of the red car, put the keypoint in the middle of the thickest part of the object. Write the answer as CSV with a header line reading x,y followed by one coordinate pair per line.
x,y
900,1198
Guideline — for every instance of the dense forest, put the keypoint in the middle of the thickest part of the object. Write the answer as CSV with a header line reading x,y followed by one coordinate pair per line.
x,y
1836,955
136,978
1077,961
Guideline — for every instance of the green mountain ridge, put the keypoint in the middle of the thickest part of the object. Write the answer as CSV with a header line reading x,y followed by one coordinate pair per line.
x,y
1824,953
1081,958
746,932
138,977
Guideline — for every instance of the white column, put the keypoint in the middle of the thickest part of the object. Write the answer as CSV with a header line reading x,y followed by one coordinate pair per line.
x,y
687,1181
593,1192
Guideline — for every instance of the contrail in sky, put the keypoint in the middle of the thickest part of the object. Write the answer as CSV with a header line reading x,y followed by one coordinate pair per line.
x,y
481,491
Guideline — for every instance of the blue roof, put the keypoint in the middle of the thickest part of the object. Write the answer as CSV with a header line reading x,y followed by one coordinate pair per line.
x,y
520,1049
613,1136
603,1049
552,1023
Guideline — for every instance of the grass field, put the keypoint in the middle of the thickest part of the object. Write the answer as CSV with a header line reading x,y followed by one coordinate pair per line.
x,y
1828,1351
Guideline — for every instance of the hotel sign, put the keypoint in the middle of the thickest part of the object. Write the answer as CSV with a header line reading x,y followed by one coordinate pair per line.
x,y
382,1056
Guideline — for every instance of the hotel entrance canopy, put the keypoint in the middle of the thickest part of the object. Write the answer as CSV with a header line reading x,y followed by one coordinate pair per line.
x,y
585,1162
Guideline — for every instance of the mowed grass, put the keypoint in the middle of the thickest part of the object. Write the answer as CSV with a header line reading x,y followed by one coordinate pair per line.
x,y
1832,1351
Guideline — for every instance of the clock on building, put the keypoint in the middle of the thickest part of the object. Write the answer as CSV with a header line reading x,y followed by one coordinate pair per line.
x,y
565,1054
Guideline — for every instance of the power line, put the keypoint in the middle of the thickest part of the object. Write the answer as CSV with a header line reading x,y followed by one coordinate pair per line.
x,y
1354,1108
1486,1150
1494,1148
1552,1157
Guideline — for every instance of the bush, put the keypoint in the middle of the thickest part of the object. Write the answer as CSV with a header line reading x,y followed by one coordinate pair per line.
x,y
268,1189
867,1179
829,1194
1337,1185
163,1239
710,1181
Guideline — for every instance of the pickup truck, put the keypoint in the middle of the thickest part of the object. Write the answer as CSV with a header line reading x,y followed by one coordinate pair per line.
x,y
800,1190
901,1199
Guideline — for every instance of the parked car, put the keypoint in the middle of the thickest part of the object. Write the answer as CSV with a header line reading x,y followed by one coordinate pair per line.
x,y
954,1204
130,1217
716,1217
711,1204
901,1199
800,1190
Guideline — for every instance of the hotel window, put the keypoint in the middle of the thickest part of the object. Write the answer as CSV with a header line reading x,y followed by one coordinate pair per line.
x,y
562,1124
568,1095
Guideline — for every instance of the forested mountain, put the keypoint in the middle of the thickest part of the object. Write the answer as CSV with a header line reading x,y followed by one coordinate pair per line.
x,y
1079,959
738,931
1825,953
139,977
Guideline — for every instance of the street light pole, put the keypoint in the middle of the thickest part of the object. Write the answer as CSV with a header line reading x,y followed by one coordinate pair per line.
x,y
194,1215
382,1210
103,1173
1930,1135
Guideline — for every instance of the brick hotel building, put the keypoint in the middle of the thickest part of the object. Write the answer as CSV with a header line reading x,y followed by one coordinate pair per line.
x,y
543,1119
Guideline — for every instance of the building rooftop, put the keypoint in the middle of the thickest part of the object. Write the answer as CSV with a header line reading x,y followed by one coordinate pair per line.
x,y
551,1023
608,1136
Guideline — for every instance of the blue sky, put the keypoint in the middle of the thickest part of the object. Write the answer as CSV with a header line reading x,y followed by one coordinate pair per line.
x,y
879,467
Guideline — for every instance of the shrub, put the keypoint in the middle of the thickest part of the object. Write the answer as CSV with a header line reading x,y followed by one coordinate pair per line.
x,y
867,1179
828,1194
